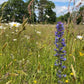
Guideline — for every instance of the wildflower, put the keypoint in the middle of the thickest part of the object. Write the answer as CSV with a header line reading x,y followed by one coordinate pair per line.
x,y
35,81
60,53
1,27
14,59
32,25
6,24
81,54
47,16
0,54
12,32
27,37
79,37
16,30
14,39
36,42
66,81
38,32
70,54
14,24
8,15
71,74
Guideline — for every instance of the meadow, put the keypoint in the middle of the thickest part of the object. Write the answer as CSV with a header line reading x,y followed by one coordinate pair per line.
x,y
27,57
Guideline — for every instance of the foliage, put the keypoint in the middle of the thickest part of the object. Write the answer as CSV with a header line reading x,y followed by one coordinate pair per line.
x,y
75,15
50,12
15,9
46,7
29,59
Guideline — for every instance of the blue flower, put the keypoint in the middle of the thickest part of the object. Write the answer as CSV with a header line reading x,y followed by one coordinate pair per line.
x,y
64,75
60,53
63,67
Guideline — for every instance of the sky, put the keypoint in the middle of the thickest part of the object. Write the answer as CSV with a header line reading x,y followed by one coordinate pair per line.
x,y
61,6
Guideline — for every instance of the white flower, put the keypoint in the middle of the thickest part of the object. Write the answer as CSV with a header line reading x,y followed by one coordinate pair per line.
x,y
79,37
38,32
2,20
16,30
28,37
14,24
47,16
38,55
12,32
14,39
5,19
8,15
1,27
4,28
32,25
6,24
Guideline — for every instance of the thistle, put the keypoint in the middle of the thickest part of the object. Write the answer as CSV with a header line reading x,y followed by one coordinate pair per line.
x,y
60,53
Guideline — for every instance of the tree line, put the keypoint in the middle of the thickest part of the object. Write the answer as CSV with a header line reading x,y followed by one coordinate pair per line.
x,y
76,16
17,10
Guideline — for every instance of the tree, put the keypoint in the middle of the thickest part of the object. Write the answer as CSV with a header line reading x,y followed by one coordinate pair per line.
x,y
41,8
16,9
49,11
46,7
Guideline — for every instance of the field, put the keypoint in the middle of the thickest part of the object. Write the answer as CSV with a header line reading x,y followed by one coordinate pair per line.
x,y
27,57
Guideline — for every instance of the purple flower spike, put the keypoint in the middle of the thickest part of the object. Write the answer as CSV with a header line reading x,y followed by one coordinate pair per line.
x,y
60,53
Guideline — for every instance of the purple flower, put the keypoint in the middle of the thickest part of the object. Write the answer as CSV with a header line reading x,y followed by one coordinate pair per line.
x,y
60,53
63,51
55,50
60,49
56,54
63,39
63,43
59,71
64,75
55,33
63,67
56,64
57,45
56,40
63,54
64,59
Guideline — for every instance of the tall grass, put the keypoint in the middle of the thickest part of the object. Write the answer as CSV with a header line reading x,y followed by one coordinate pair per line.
x,y
30,58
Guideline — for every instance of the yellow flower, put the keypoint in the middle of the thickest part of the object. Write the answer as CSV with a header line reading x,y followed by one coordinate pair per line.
x,y
71,74
66,81
14,25
14,59
6,65
0,54
81,54
51,66
70,54
35,81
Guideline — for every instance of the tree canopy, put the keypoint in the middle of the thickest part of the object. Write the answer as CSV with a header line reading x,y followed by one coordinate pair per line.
x,y
16,10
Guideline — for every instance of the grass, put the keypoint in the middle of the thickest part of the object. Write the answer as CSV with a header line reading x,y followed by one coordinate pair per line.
x,y
30,58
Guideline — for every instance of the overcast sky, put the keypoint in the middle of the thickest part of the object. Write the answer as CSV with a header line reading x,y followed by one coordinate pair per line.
x,y
61,6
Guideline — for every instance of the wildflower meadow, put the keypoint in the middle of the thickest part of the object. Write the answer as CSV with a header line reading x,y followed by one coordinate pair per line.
x,y
41,53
